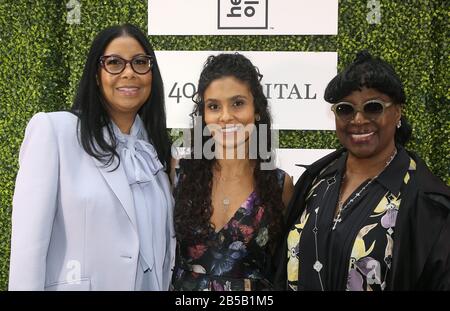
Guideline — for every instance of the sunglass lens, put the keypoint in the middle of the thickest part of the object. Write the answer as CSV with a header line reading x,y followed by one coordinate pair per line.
x,y
344,110
373,109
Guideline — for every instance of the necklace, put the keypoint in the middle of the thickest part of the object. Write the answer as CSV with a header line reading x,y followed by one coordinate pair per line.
x,y
226,199
342,207
317,266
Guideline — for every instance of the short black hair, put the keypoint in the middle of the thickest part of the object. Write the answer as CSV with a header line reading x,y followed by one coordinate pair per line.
x,y
366,71
375,73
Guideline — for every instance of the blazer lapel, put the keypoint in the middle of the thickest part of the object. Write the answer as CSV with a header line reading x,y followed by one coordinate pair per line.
x,y
117,181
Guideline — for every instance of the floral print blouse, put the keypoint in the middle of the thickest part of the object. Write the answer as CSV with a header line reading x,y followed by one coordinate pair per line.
x,y
234,258
368,236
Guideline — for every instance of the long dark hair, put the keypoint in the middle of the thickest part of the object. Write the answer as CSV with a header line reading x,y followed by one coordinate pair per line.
x,y
90,108
371,72
193,193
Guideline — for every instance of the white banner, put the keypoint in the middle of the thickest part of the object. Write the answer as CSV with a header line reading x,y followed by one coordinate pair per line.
x,y
294,83
242,17
287,159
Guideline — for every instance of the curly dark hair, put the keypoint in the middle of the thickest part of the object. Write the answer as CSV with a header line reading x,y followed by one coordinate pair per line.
x,y
193,192
370,72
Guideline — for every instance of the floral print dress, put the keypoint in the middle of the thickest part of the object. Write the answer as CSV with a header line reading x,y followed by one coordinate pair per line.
x,y
233,258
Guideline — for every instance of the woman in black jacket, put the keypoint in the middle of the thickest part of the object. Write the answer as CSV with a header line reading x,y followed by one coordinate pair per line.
x,y
370,216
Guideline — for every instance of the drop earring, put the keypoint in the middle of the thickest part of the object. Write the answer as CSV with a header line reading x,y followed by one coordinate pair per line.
x,y
257,118
399,124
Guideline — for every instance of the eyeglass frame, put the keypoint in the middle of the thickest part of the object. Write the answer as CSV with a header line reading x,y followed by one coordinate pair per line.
x,y
104,57
359,109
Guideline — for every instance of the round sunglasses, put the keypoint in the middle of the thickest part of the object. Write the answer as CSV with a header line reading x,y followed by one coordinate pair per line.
x,y
371,110
114,64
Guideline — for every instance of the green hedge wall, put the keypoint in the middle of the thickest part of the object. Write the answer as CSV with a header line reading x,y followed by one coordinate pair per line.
x,y
42,57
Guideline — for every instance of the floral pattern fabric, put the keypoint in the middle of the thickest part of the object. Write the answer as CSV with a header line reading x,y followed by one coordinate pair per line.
x,y
368,269
233,258
371,254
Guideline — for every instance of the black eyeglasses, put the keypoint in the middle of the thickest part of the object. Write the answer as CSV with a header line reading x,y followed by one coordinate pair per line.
x,y
371,110
114,64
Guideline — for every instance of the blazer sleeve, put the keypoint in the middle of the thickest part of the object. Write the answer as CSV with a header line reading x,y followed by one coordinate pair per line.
x,y
34,205
436,275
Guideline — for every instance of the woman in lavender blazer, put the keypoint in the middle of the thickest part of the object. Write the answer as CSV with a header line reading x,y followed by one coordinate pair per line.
x,y
92,207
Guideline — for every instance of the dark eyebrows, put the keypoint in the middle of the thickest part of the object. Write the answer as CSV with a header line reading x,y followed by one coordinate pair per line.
x,y
213,100
135,55
238,97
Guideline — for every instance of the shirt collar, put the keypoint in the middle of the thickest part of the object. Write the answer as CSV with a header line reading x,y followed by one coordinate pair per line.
x,y
392,177
337,166
137,130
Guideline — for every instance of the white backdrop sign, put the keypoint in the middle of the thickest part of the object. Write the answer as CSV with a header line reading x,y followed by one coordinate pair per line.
x,y
242,17
293,82
287,159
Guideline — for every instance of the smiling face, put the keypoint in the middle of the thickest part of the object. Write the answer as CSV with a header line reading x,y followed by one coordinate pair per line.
x,y
366,138
125,93
229,111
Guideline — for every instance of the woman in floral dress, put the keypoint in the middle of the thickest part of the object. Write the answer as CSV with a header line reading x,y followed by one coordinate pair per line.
x,y
229,196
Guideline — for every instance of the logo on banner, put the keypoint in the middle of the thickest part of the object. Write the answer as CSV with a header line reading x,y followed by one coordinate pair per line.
x,y
284,91
243,14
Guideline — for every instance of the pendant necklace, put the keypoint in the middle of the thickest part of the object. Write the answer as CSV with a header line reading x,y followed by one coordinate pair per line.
x,y
226,203
317,266
342,207
226,199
